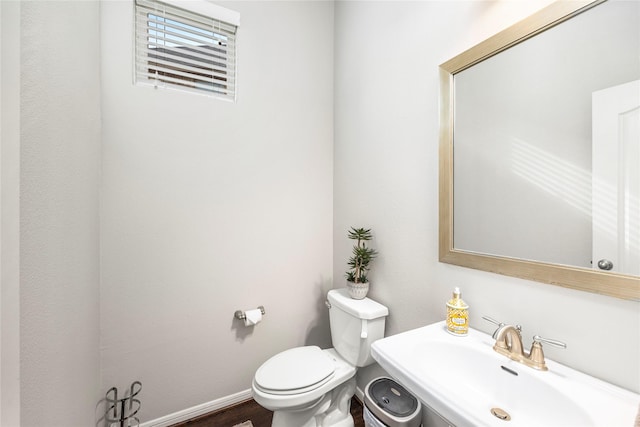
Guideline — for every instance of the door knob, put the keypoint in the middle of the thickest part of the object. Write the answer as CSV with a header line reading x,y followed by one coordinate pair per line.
x,y
605,264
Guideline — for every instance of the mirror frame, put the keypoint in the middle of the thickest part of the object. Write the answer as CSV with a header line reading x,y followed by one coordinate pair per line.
x,y
600,282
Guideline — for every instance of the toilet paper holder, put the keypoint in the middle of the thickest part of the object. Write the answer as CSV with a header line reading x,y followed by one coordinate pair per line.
x,y
240,315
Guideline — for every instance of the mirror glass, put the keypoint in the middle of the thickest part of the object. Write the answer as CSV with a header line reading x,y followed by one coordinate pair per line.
x,y
544,141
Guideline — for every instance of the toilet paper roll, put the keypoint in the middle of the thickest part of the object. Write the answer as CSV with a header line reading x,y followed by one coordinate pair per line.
x,y
252,317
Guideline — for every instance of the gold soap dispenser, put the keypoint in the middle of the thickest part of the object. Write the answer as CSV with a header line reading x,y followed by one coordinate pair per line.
x,y
457,315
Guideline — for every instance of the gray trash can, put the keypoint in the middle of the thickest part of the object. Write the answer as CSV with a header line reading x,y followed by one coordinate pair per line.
x,y
388,404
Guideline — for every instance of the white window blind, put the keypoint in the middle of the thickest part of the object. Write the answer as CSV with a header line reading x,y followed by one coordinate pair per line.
x,y
181,49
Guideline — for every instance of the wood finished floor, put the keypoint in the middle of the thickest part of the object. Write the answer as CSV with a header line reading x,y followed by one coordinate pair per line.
x,y
250,410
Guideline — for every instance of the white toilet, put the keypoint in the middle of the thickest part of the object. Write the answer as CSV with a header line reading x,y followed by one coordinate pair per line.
x,y
310,387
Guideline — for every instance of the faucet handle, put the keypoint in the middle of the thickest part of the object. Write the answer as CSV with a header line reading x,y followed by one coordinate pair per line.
x,y
536,355
539,339
495,322
500,325
492,320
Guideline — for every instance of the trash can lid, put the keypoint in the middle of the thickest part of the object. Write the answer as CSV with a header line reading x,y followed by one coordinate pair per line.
x,y
392,397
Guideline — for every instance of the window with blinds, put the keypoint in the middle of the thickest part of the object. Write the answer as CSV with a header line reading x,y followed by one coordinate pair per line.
x,y
185,49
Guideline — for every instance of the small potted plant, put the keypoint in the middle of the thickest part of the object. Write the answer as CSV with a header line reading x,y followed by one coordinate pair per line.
x,y
357,281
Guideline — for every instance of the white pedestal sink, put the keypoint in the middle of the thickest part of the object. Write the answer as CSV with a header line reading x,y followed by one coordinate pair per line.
x,y
469,384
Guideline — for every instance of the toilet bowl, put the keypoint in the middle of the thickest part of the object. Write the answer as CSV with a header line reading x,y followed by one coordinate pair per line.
x,y
310,387
321,371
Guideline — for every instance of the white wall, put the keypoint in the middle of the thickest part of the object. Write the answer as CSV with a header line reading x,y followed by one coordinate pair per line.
x,y
9,213
386,118
209,207
59,177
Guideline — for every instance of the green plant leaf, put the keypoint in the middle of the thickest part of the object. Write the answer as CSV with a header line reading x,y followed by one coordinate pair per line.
x,y
361,255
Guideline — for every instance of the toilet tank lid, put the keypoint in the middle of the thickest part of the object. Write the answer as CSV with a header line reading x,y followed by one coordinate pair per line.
x,y
365,308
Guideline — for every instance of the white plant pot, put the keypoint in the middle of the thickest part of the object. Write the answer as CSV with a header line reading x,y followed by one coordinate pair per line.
x,y
357,290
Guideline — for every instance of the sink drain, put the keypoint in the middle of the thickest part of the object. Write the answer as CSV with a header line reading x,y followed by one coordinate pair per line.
x,y
500,414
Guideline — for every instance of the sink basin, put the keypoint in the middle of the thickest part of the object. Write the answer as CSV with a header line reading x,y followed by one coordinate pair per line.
x,y
469,384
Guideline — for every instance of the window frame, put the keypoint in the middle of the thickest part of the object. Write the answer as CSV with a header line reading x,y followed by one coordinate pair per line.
x,y
186,46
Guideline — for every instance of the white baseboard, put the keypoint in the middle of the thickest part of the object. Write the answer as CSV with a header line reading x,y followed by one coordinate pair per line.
x,y
214,405
198,410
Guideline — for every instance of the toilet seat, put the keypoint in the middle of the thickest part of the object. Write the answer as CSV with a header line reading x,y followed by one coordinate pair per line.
x,y
294,371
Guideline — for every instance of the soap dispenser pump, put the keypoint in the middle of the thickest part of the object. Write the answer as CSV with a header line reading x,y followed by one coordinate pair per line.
x,y
457,315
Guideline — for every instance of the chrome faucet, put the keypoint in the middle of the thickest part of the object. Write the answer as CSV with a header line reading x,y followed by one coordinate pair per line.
x,y
509,343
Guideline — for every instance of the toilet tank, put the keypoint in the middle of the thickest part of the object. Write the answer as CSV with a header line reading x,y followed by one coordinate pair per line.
x,y
355,325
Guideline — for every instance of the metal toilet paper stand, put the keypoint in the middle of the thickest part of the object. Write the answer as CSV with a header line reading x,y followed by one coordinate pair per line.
x,y
123,411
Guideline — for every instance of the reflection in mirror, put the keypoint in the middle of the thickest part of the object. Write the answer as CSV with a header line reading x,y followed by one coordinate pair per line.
x,y
545,165
616,178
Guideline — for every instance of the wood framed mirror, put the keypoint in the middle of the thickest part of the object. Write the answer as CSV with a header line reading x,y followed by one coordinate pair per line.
x,y
462,124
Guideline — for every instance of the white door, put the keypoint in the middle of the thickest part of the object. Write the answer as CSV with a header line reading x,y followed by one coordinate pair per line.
x,y
616,178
